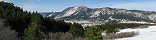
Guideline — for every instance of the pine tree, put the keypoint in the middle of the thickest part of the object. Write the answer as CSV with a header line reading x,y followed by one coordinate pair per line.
x,y
93,33
33,31
76,30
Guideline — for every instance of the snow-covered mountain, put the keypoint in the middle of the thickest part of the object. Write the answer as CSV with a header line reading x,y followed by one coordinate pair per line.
x,y
103,15
44,14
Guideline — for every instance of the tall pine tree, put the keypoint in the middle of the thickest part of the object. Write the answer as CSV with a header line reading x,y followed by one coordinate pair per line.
x,y
92,33
33,31
76,30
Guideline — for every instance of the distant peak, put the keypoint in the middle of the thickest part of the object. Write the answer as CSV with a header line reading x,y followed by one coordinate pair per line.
x,y
80,6
113,8
106,7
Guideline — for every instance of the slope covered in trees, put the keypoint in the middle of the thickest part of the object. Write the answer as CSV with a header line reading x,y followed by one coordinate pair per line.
x,y
30,23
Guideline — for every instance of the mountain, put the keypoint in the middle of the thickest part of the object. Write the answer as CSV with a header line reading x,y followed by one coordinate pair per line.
x,y
96,16
46,14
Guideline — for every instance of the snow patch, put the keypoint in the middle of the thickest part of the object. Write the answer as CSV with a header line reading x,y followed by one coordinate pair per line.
x,y
97,13
139,22
88,22
144,33
70,12
152,17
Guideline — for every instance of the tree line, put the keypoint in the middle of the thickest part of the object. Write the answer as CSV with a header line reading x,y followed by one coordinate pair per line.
x,y
32,25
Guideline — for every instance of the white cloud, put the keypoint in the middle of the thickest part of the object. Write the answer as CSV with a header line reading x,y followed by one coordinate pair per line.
x,y
148,6
7,1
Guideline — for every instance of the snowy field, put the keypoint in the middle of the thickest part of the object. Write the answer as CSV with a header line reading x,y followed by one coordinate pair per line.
x,y
144,33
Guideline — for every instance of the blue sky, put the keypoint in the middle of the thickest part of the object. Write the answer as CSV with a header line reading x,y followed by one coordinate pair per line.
x,y
59,5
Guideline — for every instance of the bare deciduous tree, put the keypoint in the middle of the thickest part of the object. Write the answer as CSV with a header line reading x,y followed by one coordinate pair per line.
x,y
6,33
62,36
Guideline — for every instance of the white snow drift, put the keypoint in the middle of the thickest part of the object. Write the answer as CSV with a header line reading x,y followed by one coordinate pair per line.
x,y
144,33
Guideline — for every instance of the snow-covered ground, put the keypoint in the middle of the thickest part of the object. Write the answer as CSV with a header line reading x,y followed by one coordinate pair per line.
x,y
140,22
144,33
88,22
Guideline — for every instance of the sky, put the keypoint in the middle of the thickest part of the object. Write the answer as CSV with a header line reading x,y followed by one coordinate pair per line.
x,y
59,5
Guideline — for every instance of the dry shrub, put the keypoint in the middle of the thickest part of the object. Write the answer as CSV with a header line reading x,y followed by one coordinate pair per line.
x,y
6,33
61,36
145,26
79,38
66,36
120,35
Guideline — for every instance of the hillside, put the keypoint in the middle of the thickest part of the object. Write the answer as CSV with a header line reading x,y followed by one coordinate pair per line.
x,y
16,24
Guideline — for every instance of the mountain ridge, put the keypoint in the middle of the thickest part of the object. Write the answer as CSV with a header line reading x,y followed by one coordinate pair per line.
x,y
103,15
